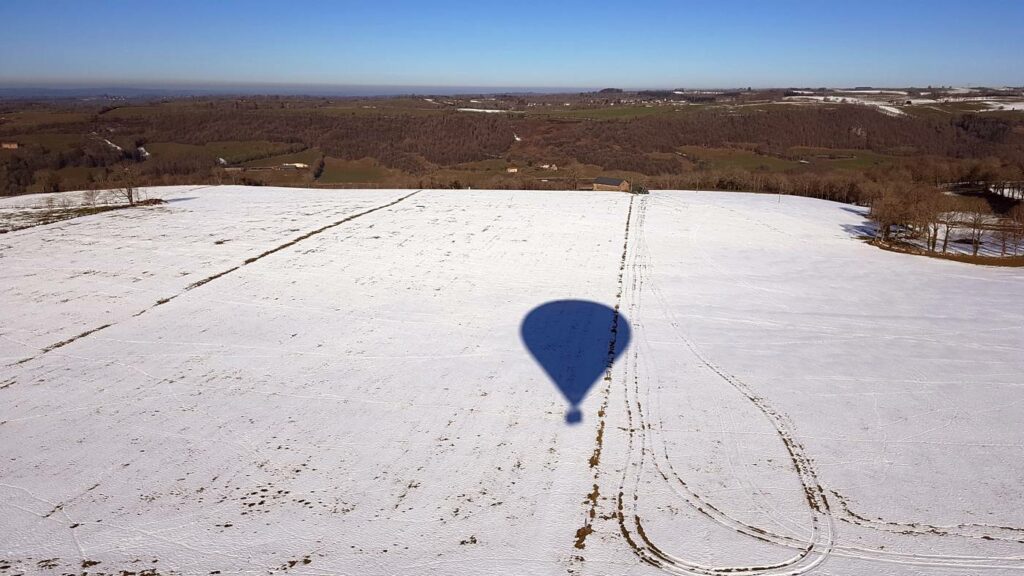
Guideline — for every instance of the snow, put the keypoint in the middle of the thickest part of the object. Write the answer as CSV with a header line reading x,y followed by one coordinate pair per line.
x,y
889,110
359,401
893,92
484,110
991,243
882,107
995,105
31,209
112,145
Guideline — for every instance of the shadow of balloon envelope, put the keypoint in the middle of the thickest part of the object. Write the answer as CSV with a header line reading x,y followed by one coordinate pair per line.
x,y
573,341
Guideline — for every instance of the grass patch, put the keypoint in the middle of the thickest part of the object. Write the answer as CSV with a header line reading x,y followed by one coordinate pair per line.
x,y
338,171
817,159
233,152
309,156
44,117
839,159
51,141
149,110
287,178
606,113
364,109
492,165
724,158
71,178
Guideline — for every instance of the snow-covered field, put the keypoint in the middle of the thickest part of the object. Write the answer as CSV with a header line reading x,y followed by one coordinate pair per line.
x,y
890,102
994,105
883,106
259,380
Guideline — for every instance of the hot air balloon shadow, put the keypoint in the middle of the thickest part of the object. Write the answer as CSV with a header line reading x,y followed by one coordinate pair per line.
x,y
572,340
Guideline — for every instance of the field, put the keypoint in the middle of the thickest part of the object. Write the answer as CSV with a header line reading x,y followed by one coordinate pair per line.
x,y
722,158
232,152
341,171
262,380
607,113
310,157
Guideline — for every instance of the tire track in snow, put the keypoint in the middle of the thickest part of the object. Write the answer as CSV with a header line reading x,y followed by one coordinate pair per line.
x,y
641,452
810,554
595,458
209,279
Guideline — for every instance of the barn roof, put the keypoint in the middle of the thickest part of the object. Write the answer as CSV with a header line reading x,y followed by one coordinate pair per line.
x,y
608,181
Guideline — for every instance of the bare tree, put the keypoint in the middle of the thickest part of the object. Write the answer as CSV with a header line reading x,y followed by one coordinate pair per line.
x,y
950,222
89,197
1016,227
885,212
902,205
1003,233
930,216
127,187
977,223
939,216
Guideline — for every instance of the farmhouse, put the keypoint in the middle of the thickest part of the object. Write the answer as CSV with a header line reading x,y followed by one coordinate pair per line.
x,y
512,170
8,145
611,184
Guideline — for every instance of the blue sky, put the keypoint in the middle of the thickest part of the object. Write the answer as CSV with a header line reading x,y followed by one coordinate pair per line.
x,y
645,43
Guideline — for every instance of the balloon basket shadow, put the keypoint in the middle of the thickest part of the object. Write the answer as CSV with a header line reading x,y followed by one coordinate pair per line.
x,y
573,416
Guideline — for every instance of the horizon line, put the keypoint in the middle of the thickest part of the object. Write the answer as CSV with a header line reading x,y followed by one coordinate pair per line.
x,y
154,83
324,89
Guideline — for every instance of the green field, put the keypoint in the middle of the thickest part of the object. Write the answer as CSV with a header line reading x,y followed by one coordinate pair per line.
x,y
51,141
348,172
493,165
148,110
362,109
233,152
609,113
839,159
723,158
71,178
43,118
814,159
309,156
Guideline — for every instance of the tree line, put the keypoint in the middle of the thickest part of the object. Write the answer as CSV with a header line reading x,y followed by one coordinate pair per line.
x,y
932,218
